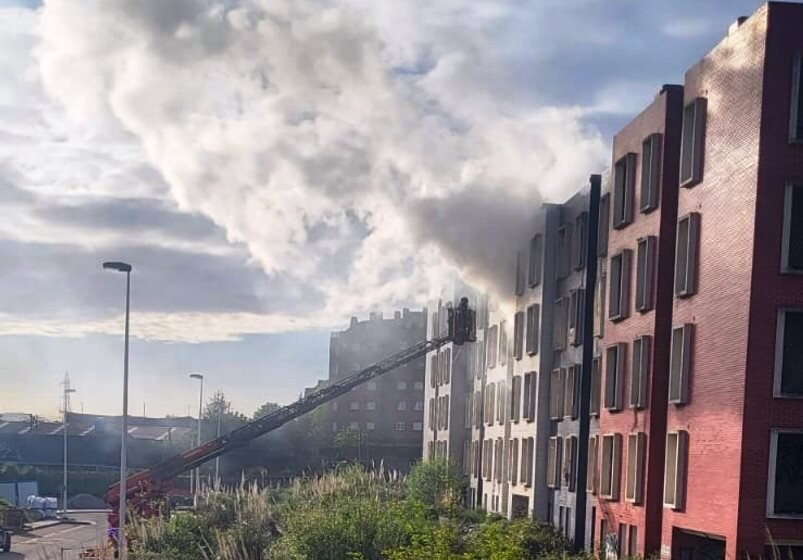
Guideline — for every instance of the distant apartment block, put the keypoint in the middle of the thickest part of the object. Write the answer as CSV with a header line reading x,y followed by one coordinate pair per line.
x,y
390,409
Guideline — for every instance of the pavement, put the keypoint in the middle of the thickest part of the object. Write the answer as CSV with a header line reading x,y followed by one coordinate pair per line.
x,y
62,540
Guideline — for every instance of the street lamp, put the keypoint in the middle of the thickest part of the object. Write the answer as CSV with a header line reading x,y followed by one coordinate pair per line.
x,y
66,407
200,378
121,542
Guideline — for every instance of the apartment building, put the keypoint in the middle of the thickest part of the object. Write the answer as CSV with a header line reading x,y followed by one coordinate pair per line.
x,y
638,220
702,424
472,464
388,411
570,375
532,363
449,375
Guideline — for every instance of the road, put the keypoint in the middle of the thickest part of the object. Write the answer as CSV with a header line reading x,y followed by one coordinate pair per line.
x,y
59,542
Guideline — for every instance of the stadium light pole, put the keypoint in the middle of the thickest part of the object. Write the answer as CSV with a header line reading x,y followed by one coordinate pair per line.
x,y
121,541
200,378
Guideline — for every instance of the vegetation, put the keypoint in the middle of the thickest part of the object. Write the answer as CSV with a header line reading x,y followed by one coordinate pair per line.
x,y
346,514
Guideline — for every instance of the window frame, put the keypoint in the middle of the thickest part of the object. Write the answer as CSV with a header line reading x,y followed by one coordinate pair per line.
x,y
641,357
690,271
592,470
623,217
554,456
533,329
563,258
645,273
579,241
604,224
681,455
613,398
521,279
571,392
535,268
595,402
513,464
557,380
686,363
634,473
771,471
515,398
795,110
780,335
789,194
622,311
697,148
575,330
560,324
518,335
649,191
612,470
529,395
569,463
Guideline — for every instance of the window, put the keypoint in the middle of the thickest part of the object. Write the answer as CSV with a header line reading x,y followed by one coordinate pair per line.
x,y
599,301
632,541
640,368
400,426
624,184
579,243
576,316
500,402
371,385
354,425
570,391
564,251
514,462
556,379
792,260
611,453
619,297
591,468
417,406
503,343
334,426
401,385
686,255
527,451
692,142
432,413
478,408
645,272
559,324
370,405
789,353
490,395
635,467
491,346
796,112
553,462
518,335
354,405
418,385
519,273
401,406
445,363
433,370
621,533
489,448
650,173
596,384
675,469
536,260
515,398
529,396
446,412
499,463
679,364
604,225
614,376
785,497
569,471
370,426
533,328
416,426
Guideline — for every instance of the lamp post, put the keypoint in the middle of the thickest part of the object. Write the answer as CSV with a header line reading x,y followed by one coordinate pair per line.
x,y
200,378
65,409
121,542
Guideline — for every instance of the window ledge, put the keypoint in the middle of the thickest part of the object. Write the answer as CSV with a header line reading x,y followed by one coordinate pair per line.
x,y
792,271
691,182
788,396
796,516
617,318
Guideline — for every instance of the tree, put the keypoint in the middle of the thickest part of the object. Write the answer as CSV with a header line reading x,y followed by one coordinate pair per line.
x,y
219,408
266,409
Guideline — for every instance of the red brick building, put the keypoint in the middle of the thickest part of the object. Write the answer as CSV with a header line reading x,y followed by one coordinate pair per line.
x,y
641,210
722,420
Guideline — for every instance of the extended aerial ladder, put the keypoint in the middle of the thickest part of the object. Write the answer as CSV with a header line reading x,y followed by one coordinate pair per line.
x,y
144,489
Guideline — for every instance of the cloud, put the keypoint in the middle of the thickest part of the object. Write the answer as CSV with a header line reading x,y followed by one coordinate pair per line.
x,y
686,28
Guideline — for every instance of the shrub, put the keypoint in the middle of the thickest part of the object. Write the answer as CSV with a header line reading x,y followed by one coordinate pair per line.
x,y
439,485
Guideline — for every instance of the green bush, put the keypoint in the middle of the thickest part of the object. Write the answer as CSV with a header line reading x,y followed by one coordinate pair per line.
x,y
438,485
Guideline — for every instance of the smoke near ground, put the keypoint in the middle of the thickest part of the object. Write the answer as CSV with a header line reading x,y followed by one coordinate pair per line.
x,y
363,149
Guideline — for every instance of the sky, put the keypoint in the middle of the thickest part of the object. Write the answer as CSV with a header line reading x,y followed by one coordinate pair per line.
x,y
272,167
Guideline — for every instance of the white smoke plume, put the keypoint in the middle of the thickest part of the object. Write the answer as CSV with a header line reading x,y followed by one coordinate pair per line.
x,y
362,147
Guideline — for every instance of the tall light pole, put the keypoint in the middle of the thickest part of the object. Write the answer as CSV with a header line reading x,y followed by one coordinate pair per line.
x,y
65,410
217,459
121,542
200,378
